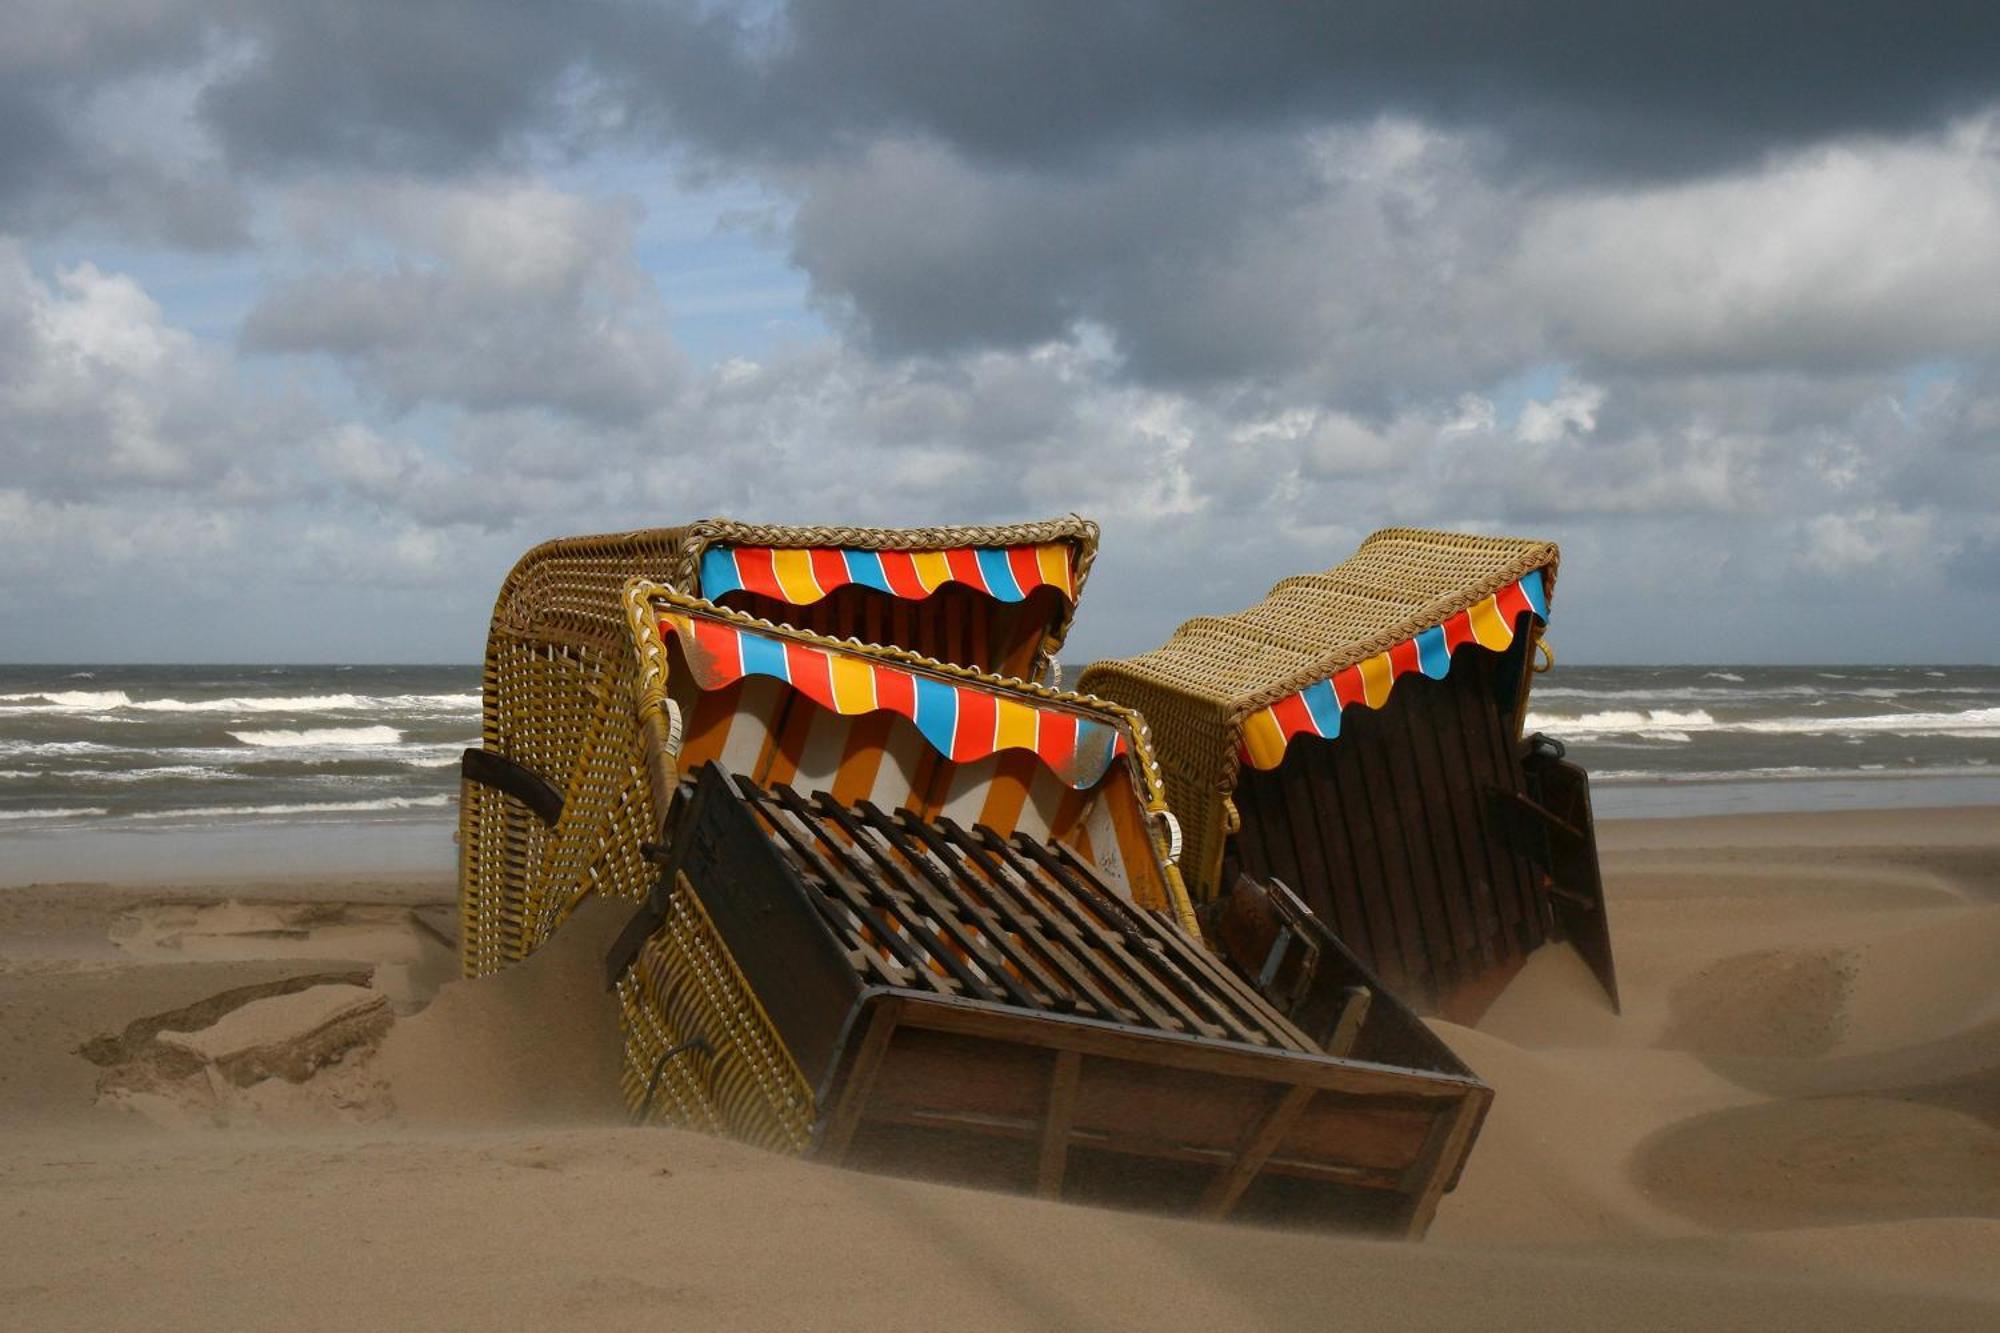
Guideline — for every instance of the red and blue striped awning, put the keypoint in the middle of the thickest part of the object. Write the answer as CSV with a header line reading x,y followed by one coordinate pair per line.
x,y
961,720
801,575
1315,710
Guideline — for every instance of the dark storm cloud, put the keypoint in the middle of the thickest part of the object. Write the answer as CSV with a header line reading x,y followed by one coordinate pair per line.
x,y
1633,89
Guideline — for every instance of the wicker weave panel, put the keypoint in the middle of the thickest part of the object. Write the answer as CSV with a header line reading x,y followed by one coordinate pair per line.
x,y
1196,689
741,1081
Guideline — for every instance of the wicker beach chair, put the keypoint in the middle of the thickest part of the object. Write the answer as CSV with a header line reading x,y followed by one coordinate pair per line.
x,y
554,693
914,917
1356,736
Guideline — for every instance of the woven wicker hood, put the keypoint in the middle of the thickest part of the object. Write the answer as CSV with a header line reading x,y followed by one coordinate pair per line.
x,y
1196,690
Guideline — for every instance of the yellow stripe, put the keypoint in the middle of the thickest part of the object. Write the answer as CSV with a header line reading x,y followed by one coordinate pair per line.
x,y
1013,725
1052,558
1489,626
1263,738
853,683
1377,675
793,568
931,568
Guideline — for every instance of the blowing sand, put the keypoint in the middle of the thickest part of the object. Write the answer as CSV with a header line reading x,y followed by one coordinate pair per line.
x,y
262,1105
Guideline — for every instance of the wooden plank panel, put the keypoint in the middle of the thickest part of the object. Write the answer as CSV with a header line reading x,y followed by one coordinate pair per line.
x,y
1457,810
1388,738
1385,888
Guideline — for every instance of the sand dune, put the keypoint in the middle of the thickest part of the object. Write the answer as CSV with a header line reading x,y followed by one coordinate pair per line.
x,y
1795,1120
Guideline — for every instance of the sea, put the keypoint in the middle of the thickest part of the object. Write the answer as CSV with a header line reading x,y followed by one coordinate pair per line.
x,y
108,770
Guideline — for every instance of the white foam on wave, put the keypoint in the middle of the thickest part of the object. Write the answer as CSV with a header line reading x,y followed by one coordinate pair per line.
x,y
1657,724
73,701
1971,723
1668,724
304,808
62,749
199,772
107,701
320,736
72,812
1723,675
1791,772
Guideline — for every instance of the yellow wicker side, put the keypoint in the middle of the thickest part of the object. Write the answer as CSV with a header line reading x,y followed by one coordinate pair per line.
x,y
737,1079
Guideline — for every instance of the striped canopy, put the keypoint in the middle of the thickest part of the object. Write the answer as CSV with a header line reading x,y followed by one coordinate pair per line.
x,y
801,575
1315,710
962,720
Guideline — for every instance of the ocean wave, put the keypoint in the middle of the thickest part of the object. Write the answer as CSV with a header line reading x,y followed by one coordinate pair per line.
x,y
64,749
94,701
1723,675
109,701
303,808
320,736
1972,723
1793,772
1658,724
199,772
19,773
1668,724
72,812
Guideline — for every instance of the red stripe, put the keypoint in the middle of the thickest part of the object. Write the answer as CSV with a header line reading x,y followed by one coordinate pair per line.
x,y
901,572
1457,630
974,737
1512,602
1055,741
829,569
811,673
1293,717
964,567
1027,572
895,690
753,570
715,656
1347,687
1403,657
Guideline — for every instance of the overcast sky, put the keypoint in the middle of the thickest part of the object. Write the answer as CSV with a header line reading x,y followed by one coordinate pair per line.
x,y
313,317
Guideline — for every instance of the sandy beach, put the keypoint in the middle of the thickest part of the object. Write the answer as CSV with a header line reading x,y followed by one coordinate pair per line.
x,y
266,1103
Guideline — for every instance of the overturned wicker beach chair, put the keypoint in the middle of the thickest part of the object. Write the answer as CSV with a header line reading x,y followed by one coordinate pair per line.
x,y
1357,736
917,918
555,706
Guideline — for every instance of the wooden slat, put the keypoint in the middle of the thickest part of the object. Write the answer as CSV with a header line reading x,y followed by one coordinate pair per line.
x,y
838,1136
1054,935
1451,1138
1263,1140
1064,1076
955,900
839,879
864,878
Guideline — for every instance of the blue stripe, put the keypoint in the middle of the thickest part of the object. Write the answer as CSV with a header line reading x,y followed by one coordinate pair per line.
x,y
999,575
718,573
763,657
1531,584
937,713
865,568
1433,658
1324,705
